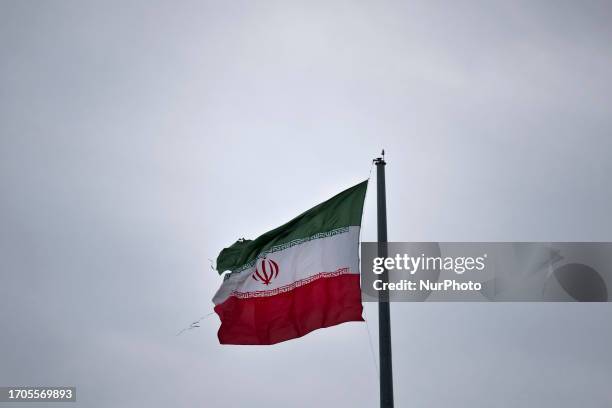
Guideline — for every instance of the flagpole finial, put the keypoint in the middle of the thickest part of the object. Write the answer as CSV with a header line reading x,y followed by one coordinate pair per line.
x,y
380,160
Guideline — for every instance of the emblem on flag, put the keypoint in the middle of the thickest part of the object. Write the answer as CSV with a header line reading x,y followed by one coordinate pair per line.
x,y
266,271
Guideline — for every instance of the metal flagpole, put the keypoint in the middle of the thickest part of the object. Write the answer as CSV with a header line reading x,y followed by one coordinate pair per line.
x,y
384,317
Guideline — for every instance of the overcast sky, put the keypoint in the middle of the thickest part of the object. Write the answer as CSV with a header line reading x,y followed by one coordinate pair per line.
x,y
137,139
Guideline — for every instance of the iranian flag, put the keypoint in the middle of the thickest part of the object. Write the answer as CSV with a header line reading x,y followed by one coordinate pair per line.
x,y
297,278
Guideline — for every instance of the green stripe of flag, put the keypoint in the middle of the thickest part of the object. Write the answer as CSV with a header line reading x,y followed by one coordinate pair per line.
x,y
342,210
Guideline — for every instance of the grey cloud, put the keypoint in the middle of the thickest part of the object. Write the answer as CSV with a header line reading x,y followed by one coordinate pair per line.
x,y
138,139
